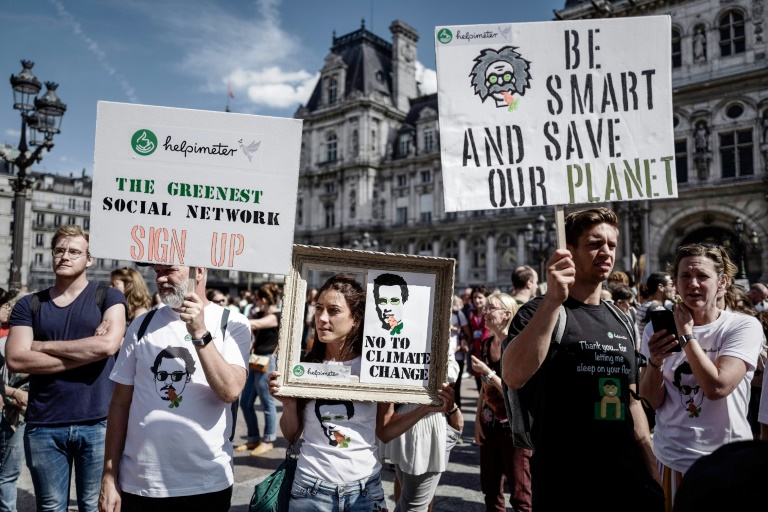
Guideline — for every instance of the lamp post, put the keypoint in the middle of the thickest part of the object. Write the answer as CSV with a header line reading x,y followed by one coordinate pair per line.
x,y
43,118
539,241
743,244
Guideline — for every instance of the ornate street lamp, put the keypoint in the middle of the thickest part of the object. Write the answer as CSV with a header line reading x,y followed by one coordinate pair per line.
x,y
540,240
743,244
43,118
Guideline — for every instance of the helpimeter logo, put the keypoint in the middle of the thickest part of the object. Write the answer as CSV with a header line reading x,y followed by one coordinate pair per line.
x,y
444,36
144,142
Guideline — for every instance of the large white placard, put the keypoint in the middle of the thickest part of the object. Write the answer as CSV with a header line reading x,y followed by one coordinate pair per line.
x,y
197,188
563,112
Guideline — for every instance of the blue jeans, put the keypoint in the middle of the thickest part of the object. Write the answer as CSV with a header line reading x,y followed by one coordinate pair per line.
x,y
50,453
11,458
256,387
313,495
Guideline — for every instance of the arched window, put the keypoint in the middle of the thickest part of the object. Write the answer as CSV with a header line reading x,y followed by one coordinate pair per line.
x,y
732,38
425,249
333,90
331,147
429,140
507,250
478,253
405,144
450,249
330,215
677,53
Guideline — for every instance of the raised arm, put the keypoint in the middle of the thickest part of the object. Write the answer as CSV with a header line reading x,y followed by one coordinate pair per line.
x,y
390,425
26,355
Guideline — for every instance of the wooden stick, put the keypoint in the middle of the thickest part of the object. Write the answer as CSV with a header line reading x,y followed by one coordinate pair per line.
x,y
192,283
560,225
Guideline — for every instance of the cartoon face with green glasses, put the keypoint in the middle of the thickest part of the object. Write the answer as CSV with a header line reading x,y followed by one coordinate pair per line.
x,y
390,292
331,413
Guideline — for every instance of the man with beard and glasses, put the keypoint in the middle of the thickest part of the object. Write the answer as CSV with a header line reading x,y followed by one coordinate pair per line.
x,y
168,435
53,339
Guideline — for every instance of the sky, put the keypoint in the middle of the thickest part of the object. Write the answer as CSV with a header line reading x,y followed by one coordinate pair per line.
x,y
186,53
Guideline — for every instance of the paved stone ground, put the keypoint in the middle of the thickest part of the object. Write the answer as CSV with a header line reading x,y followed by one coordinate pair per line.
x,y
459,489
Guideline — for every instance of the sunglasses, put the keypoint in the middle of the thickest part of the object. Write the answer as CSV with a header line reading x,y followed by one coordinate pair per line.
x,y
175,376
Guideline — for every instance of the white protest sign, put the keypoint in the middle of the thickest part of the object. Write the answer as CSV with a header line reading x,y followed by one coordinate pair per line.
x,y
196,188
397,332
555,113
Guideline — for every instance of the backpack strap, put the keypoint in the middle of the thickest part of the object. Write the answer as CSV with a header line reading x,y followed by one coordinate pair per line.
x,y
145,324
236,404
640,359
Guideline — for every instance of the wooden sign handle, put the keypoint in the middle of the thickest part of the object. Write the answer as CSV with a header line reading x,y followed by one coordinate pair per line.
x,y
192,283
560,225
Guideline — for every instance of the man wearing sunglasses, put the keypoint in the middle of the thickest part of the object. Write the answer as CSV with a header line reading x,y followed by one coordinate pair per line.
x,y
53,338
171,418
390,292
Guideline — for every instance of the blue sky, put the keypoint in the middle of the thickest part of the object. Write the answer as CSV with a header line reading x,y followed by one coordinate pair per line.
x,y
183,53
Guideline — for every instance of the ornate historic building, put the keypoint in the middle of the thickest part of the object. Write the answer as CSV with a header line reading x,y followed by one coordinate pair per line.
x,y
370,169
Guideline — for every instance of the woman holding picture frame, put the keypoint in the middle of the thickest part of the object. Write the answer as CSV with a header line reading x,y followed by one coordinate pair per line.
x,y
338,465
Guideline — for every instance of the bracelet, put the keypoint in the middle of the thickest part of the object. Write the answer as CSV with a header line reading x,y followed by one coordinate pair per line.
x,y
488,378
658,367
453,411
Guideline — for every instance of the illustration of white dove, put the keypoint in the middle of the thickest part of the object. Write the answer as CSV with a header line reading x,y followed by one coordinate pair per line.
x,y
250,149
505,31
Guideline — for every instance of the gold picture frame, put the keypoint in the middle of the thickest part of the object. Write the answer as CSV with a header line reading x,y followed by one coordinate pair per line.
x,y
429,319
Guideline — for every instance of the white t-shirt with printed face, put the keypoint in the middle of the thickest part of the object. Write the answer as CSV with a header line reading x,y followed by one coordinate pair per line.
x,y
688,425
177,442
340,438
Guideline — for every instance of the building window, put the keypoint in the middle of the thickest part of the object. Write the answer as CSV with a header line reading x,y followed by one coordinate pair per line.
x,y
331,147
330,215
425,249
732,38
681,160
405,145
87,206
478,213
38,258
72,204
736,153
402,180
100,263
507,248
72,221
425,207
451,249
426,176
677,52
734,111
330,187
401,216
333,90
429,139
57,220
86,224
451,215
478,253
39,240
300,212
40,219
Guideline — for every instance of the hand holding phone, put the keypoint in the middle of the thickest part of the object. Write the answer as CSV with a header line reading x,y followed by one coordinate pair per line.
x,y
665,319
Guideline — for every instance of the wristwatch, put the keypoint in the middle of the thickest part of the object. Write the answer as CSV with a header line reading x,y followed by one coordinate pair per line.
x,y
684,339
206,339
488,378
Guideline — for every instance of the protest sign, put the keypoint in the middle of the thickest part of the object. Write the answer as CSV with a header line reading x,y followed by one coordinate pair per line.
x,y
196,188
555,113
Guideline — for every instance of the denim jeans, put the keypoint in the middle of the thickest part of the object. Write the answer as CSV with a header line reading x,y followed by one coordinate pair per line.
x,y
256,387
312,495
11,459
50,453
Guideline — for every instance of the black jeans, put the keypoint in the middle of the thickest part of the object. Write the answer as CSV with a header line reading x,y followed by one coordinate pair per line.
x,y
218,501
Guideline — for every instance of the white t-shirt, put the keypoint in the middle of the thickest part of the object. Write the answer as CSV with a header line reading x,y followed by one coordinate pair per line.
x,y
177,442
340,438
688,425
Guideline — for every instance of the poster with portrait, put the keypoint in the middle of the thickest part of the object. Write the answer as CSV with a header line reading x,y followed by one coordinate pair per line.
x,y
555,113
398,327
405,331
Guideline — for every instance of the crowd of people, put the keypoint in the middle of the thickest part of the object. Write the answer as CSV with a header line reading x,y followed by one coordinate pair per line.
x,y
104,381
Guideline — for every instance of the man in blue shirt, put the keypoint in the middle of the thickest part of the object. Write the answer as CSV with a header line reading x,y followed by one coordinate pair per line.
x,y
53,338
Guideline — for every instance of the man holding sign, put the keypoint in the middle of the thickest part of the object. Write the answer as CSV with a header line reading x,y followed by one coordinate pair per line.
x,y
170,416
580,388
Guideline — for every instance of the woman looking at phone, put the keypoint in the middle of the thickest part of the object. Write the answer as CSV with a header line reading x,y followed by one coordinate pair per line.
x,y
701,392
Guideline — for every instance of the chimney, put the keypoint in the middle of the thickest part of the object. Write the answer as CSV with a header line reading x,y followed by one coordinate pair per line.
x,y
404,38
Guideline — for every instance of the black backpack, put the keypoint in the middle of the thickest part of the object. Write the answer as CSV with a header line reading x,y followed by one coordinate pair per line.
x,y
520,418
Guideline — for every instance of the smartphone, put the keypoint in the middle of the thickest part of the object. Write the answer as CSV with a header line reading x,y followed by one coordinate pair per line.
x,y
665,319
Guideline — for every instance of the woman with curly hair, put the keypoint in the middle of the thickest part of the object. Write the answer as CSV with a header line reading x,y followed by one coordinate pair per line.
x,y
131,283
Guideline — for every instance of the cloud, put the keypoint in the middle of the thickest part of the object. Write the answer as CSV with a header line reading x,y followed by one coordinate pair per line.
x,y
247,49
93,47
427,78
11,132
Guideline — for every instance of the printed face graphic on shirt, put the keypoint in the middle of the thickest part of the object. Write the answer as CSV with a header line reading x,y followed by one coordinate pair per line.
x,y
691,396
390,292
331,413
173,369
610,403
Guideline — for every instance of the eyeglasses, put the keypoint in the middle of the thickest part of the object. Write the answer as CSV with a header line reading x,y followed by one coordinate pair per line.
x,y
499,79
175,376
220,301
688,389
74,254
394,301
490,309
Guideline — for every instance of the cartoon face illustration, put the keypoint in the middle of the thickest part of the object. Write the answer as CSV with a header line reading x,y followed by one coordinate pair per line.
x,y
173,369
330,413
390,292
610,398
499,75
691,396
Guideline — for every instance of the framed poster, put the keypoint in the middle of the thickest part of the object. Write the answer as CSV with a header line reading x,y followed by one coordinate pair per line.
x,y
405,330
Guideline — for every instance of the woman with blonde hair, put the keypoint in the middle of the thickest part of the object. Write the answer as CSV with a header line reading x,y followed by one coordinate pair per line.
x,y
498,455
699,381
131,283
